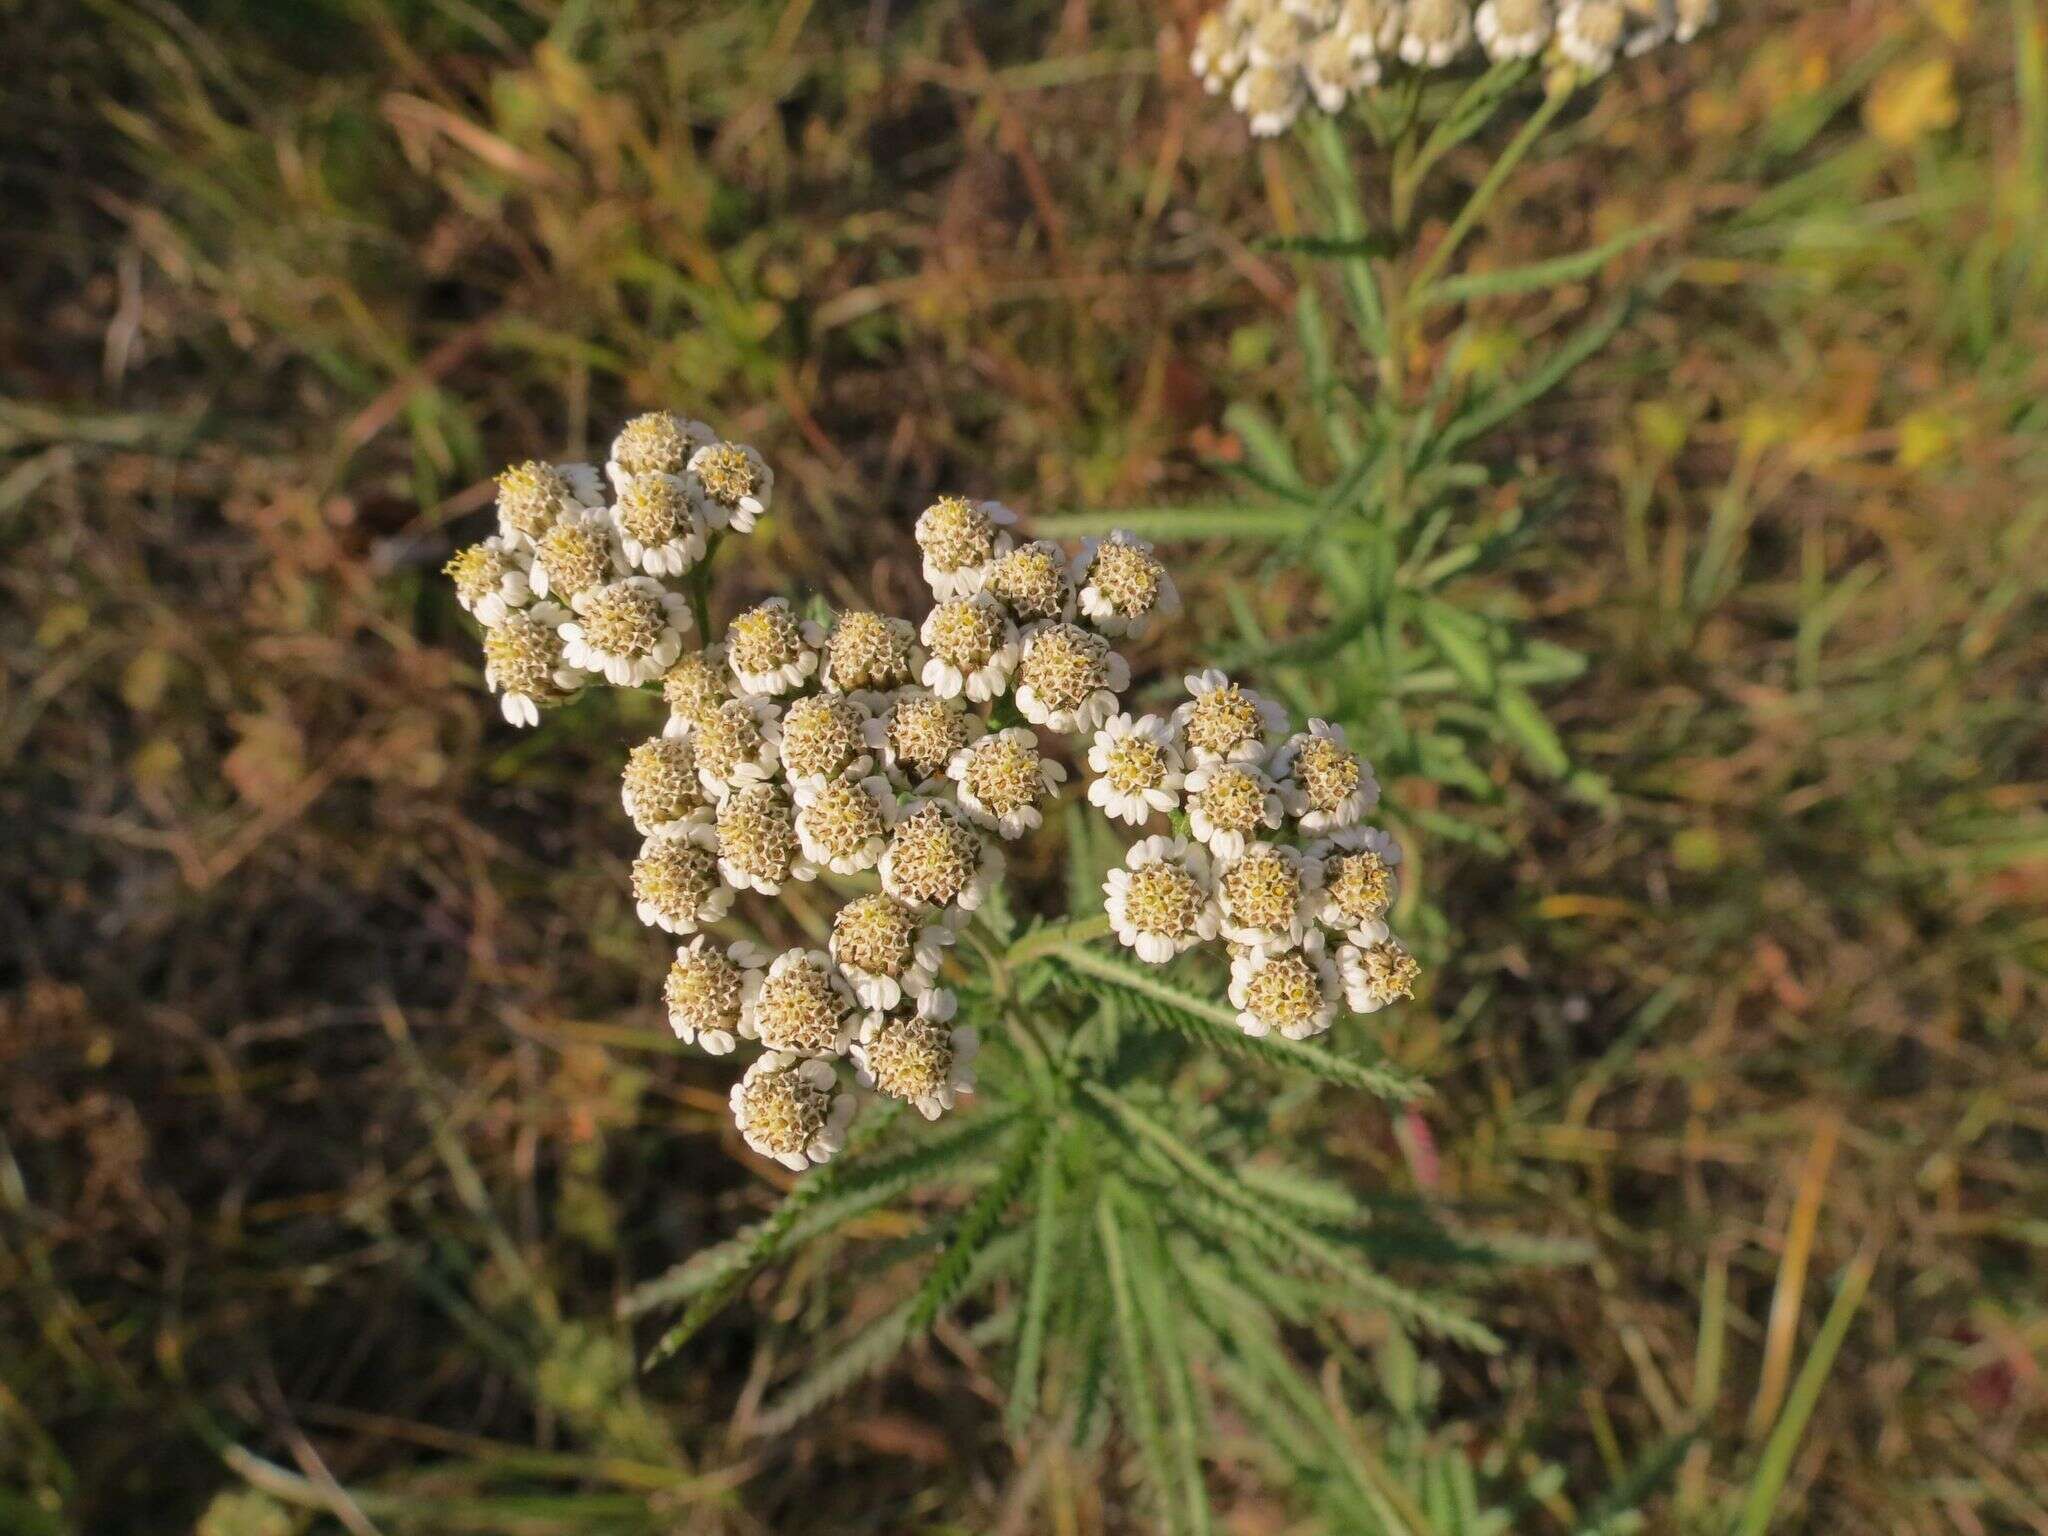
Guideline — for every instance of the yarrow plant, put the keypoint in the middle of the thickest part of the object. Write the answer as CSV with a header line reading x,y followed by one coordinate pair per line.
x,y
1229,900
1275,59
897,759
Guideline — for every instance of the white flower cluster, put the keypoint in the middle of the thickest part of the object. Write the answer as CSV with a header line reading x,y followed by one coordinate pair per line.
x,y
1274,57
572,588
863,747
1269,855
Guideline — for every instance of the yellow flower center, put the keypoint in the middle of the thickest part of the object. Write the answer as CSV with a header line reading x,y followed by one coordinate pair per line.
x,y
821,735
755,834
728,474
703,990
909,1058
1326,772
576,556
623,620
964,633
1164,899
798,1009
1223,719
1285,990
1361,886
1064,666
1262,890
924,734
876,934
675,878
864,650
933,856
661,776
784,1111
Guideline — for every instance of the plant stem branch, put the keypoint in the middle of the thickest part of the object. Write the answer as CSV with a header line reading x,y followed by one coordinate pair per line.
x,y
1484,194
1060,936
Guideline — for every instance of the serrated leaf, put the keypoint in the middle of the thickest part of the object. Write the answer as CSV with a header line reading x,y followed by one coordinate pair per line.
x,y
1219,521
1523,719
1539,275
1461,640
1329,246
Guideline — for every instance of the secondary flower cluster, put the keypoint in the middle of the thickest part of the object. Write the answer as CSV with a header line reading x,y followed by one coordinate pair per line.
x,y
1274,57
887,755
1270,856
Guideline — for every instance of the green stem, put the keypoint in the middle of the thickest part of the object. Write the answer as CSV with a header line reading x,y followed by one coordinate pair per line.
x,y
1485,192
700,590
1060,936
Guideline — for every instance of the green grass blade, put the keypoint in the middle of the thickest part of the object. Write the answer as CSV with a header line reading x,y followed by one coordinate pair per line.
x,y
1783,1444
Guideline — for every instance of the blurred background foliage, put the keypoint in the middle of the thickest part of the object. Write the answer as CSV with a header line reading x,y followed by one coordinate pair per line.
x,y
338,1111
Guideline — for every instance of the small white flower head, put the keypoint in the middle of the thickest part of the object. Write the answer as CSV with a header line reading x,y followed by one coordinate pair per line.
x,y
1002,782
887,949
1122,584
659,527
1651,24
706,988
660,786
792,1109
868,653
917,736
1138,768
628,631
1068,678
675,880
491,580
1374,26
1221,41
532,495
843,824
577,553
1694,17
1229,804
803,1006
656,443
736,744
1359,883
1590,32
824,737
1435,32
971,647
1323,783
1291,991
732,485
936,858
918,1057
1376,975
958,539
772,651
758,848
1316,15
1031,581
1163,900
1275,39
695,685
525,660
1270,99
1335,66
1223,723
1513,29
1269,896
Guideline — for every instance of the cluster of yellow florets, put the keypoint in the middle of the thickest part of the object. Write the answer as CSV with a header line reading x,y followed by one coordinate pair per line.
x,y
1276,57
1269,856
888,759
